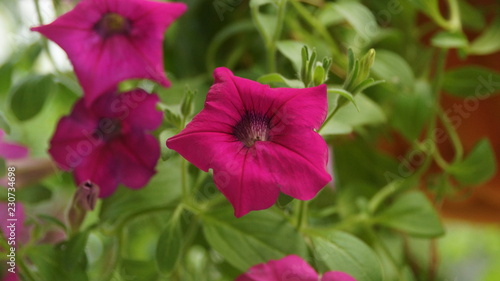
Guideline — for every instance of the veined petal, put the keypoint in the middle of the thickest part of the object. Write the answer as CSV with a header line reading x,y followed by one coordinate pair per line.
x,y
242,176
137,155
289,268
297,159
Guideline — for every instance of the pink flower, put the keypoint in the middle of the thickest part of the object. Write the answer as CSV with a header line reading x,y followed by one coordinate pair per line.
x,y
258,141
107,143
290,268
11,150
109,41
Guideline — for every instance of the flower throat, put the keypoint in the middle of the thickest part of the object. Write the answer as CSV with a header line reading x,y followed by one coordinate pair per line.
x,y
251,128
112,24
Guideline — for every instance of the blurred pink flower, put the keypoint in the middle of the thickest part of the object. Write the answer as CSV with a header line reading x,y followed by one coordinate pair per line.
x,y
11,150
290,268
107,143
258,141
109,41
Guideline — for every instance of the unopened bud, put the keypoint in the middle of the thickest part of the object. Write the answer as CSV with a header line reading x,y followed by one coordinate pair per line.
x,y
86,195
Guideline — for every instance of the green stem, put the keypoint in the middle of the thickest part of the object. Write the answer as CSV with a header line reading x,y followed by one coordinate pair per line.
x,y
44,40
323,32
329,117
185,191
301,213
271,46
454,21
452,133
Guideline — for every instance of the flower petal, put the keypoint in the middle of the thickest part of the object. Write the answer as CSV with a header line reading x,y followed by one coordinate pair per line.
x,y
101,168
240,174
289,268
119,57
337,276
137,154
297,161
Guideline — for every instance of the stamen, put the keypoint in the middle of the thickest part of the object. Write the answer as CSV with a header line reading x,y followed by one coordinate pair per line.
x,y
252,128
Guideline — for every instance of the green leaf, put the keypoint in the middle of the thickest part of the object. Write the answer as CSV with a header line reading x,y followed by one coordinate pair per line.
x,y
160,191
448,40
328,15
472,81
478,167
265,23
395,70
278,78
349,117
5,80
28,97
341,251
138,270
255,238
73,251
168,249
291,50
412,110
489,41
344,94
360,18
166,152
471,16
413,214
4,125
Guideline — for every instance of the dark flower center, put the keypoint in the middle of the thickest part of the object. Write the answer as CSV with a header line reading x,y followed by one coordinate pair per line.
x,y
107,129
112,24
251,128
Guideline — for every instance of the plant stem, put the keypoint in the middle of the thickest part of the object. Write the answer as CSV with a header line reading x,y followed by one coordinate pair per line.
x,y
44,40
321,29
271,45
329,117
452,133
301,214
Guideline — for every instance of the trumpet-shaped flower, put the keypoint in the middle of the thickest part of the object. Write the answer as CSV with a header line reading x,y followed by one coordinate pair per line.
x,y
108,143
109,41
290,268
258,141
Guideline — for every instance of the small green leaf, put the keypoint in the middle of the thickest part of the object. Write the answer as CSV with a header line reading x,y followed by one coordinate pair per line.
x,y
265,23
412,110
319,75
73,251
413,214
360,18
290,49
341,251
448,40
489,41
349,117
4,125
28,97
478,167
394,69
472,81
344,94
278,78
5,79
166,152
255,238
168,249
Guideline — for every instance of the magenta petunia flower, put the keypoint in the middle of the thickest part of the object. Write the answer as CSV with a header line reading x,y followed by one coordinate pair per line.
x,y
258,141
108,143
109,41
11,150
290,268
